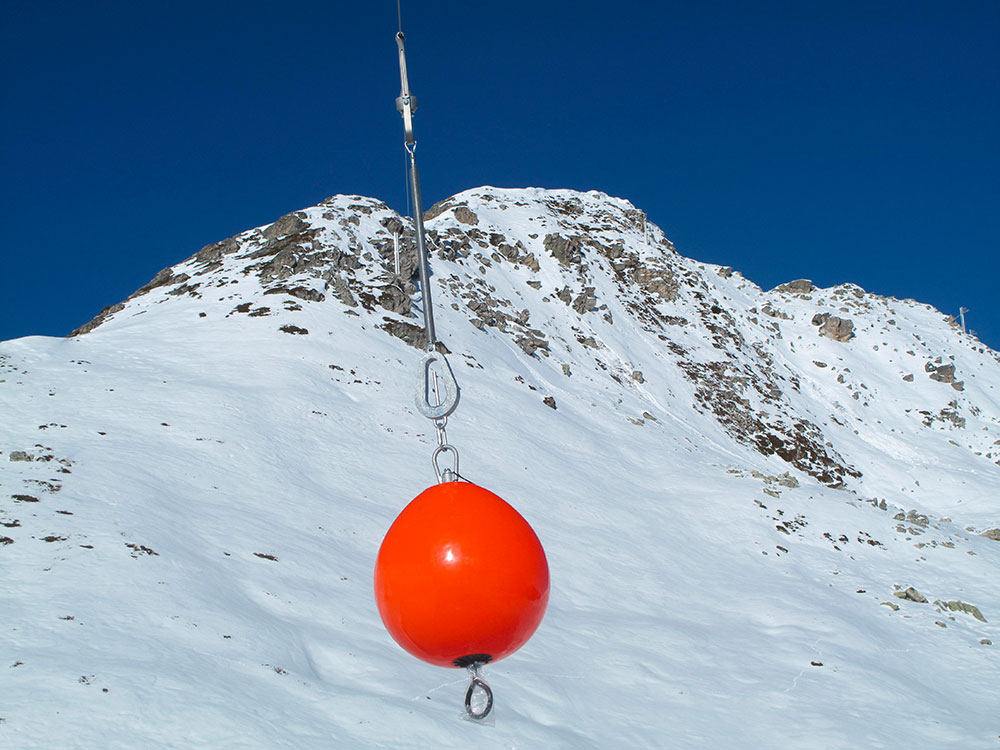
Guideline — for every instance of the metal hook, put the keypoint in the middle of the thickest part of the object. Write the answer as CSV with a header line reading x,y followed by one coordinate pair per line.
x,y
446,402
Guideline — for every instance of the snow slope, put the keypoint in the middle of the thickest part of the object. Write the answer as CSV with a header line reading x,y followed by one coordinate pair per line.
x,y
741,515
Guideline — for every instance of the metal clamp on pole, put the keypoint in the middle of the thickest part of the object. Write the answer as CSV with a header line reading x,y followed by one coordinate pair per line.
x,y
406,103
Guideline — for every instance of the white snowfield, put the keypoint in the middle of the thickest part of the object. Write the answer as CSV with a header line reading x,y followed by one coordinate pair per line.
x,y
758,536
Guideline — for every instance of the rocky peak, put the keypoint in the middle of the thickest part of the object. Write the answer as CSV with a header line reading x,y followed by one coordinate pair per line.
x,y
561,279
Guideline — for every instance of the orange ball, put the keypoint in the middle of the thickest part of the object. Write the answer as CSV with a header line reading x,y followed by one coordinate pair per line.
x,y
461,577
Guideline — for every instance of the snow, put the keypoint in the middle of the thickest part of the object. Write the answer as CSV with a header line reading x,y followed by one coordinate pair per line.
x,y
697,601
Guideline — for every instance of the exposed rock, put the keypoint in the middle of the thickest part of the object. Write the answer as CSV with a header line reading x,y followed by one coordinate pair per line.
x,y
394,298
911,594
300,292
336,283
163,278
586,301
773,312
908,377
21,456
411,334
210,255
993,534
292,223
408,332
564,249
799,286
549,401
294,330
786,480
658,281
948,414
102,316
392,224
531,343
722,388
838,329
916,518
959,606
942,374
465,215
294,254
438,208
190,289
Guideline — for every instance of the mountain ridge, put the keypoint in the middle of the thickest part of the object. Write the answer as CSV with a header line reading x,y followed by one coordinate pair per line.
x,y
761,533
648,279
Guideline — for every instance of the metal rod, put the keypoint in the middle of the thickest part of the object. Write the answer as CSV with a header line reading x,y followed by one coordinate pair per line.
x,y
425,282
395,251
406,103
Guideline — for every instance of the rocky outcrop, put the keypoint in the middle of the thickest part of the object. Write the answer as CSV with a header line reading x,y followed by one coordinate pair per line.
x,y
832,327
551,283
567,250
799,286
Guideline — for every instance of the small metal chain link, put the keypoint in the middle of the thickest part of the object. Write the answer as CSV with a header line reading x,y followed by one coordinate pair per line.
x,y
440,425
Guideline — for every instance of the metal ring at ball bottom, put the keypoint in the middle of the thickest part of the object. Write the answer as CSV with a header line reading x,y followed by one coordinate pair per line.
x,y
478,716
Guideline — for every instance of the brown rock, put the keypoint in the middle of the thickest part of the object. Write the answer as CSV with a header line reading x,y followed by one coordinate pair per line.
x,y
465,215
838,329
799,286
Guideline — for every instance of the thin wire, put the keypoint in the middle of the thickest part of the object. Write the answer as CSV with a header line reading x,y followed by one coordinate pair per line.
x,y
399,16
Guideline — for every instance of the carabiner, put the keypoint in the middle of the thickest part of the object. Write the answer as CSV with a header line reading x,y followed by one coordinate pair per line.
x,y
447,401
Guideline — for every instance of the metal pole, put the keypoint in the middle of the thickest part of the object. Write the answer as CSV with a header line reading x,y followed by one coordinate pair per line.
x,y
444,404
425,283
406,103
395,251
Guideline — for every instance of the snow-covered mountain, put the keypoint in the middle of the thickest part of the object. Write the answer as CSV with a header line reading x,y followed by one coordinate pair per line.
x,y
771,517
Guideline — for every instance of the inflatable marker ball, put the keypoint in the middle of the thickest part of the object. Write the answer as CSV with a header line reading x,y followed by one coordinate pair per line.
x,y
461,577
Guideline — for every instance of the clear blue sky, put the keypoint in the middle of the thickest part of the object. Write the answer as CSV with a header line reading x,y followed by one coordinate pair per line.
x,y
837,141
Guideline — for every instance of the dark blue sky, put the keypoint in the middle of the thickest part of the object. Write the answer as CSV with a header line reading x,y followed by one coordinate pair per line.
x,y
847,141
